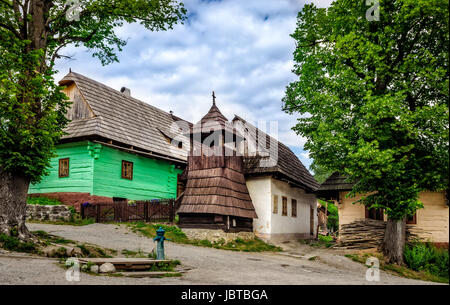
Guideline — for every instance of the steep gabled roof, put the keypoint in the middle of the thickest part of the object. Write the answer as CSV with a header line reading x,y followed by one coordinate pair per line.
x,y
122,118
336,182
214,115
285,162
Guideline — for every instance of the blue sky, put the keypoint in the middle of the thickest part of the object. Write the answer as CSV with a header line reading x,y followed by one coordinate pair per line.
x,y
240,49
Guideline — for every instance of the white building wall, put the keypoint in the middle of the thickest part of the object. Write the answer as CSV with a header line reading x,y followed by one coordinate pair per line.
x,y
275,226
259,190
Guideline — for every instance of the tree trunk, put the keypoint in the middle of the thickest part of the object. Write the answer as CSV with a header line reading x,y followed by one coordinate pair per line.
x,y
13,196
394,241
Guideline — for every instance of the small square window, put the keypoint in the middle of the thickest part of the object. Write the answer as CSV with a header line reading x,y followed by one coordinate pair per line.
x,y
63,170
284,211
275,204
294,208
127,170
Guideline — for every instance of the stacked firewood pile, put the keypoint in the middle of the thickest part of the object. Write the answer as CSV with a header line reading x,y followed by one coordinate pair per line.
x,y
364,234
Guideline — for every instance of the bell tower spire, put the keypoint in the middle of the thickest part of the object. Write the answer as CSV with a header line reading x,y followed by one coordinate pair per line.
x,y
214,98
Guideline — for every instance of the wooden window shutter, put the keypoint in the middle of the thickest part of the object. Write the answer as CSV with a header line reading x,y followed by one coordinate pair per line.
x,y
63,170
294,207
127,170
284,207
275,204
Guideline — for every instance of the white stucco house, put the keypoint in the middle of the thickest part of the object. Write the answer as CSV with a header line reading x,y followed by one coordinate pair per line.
x,y
280,186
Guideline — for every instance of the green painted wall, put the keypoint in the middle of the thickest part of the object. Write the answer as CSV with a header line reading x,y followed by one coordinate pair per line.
x,y
151,178
97,169
81,170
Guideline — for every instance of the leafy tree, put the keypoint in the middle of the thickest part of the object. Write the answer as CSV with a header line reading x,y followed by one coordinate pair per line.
x,y
374,101
333,218
320,173
32,107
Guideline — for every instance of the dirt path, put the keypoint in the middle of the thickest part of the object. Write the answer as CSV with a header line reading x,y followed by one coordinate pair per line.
x,y
208,266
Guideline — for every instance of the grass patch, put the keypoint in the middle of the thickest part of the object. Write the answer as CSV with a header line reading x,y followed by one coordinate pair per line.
x,y
175,234
47,238
12,243
169,267
43,201
321,242
87,250
398,270
137,254
75,221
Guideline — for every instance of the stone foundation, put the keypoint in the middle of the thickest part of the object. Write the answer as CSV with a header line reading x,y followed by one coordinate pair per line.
x,y
48,212
216,235
280,237
74,199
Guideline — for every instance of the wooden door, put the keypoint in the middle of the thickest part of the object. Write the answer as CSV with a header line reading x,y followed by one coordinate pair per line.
x,y
311,221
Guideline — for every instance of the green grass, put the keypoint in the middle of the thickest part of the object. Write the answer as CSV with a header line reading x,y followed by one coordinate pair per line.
x,y
398,270
75,221
43,201
87,250
421,256
169,267
175,234
12,243
321,242
137,254
47,238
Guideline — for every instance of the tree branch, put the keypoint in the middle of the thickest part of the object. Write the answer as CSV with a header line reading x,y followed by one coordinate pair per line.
x,y
11,29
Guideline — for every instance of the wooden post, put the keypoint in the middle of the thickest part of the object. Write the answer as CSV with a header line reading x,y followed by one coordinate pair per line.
x,y
116,209
97,214
172,209
146,211
82,211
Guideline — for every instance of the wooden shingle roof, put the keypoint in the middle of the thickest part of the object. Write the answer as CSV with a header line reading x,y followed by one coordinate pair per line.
x,y
284,163
122,118
214,115
336,182
216,185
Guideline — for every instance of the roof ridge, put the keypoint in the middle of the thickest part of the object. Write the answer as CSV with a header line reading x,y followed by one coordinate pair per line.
x,y
303,175
86,78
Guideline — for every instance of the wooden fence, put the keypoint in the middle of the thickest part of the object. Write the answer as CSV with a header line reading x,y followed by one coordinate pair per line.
x,y
147,211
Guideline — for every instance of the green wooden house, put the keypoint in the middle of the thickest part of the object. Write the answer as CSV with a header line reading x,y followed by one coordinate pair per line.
x,y
116,148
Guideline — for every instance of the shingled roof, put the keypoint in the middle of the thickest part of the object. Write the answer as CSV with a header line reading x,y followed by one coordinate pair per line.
x,y
284,162
336,182
214,116
124,119
216,184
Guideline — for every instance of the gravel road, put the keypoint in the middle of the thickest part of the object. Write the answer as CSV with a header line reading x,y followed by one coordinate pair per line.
x,y
208,266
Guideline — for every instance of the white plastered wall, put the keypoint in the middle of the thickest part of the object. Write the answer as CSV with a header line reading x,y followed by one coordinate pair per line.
x,y
276,226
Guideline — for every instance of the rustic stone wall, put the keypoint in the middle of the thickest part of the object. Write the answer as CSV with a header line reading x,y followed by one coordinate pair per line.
x,y
216,235
48,212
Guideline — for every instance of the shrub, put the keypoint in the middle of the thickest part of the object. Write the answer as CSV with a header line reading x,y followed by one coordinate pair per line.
x,y
426,257
43,201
